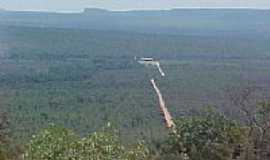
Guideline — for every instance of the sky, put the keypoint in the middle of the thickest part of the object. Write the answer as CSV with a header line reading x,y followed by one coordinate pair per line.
x,y
79,5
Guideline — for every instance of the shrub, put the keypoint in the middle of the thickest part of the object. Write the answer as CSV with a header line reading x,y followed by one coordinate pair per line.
x,y
57,143
53,143
209,136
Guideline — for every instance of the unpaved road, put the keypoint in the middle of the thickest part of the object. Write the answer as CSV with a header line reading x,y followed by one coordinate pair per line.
x,y
166,113
159,69
154,63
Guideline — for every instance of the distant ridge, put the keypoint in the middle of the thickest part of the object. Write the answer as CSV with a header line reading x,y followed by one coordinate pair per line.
x,y
95,10
101,10
179,21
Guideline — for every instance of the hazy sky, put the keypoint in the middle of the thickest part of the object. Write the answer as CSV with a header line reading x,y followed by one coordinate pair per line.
x,y
78,5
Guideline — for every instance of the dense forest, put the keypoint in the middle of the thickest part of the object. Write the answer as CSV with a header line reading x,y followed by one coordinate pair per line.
x,y
77,93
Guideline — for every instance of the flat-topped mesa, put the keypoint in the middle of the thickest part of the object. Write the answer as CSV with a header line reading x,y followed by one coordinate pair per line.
x,y
95,11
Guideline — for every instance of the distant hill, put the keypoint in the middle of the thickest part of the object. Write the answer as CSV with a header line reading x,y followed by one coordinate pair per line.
x,y
95,11
176,21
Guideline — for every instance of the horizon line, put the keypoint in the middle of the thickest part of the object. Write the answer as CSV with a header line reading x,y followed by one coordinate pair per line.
x,y
130,10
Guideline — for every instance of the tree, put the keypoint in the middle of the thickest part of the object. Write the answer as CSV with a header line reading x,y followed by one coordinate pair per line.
x,y
262,126
208,136
4,137
255,110
56,143
52,143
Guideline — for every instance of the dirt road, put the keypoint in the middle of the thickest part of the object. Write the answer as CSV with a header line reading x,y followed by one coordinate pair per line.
x,y
166,113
